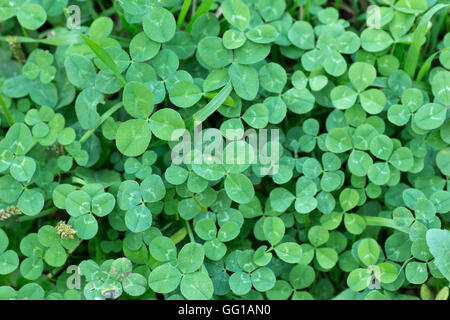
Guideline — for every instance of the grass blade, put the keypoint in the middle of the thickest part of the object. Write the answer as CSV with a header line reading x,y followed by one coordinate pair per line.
x,y
412,57
67,39
102,119
6,112
202,114
183,12
204,7
427,64
106,59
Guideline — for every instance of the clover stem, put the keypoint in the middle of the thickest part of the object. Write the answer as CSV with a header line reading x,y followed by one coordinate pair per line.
x,y
6,111
201,207
178,236
103,118
40,215
305,219
393,48
384,222
189,230
270,249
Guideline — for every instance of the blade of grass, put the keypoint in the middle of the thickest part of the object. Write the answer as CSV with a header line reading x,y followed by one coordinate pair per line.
x,y
293,7
306,11
132,30
71,38
412,57
183,12
6,111
204,7
106,59
102,119
427,64
437,28
228,101
202,114
178,236
384,222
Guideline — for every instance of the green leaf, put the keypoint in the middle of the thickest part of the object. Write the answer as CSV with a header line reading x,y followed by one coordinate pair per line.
x,y
167,124
418,38
31,16
240,283
348,199
318,235
289,252
263,279
78,203
159,24
343,97
31,202
245,81
264,33
358,279
133,137
134,284
55,256
164,278
197,286
213,54
162,249
184,94
301,35
138,219
105,58
338,140
416,272
326,257
86,226
274,229
191,257
368,251
138,100
430,116
9,261
439,87
375,40
237,13
272,77
239,188
438,241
